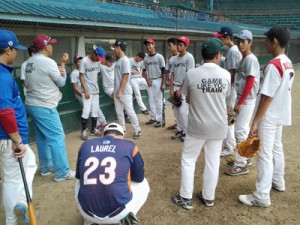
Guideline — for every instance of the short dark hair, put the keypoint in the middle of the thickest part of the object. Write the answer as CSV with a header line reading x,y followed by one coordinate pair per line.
x,y
172,40
113,132
2,51
281,34
208,56
141,55
31,49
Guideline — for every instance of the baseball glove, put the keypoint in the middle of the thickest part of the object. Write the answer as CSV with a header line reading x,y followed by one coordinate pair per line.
x,y
175,100
130,219
249,147
230,118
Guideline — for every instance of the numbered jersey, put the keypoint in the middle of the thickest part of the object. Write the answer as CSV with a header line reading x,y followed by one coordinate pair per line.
x,y
105,168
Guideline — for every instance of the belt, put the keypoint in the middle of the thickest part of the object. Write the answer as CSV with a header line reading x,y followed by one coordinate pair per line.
x,y
114,213
155,78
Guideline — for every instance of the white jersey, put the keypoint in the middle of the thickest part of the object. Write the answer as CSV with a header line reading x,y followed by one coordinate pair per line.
x,y
122,67
107,75
233,57
74,77
23,70
248,66
169,64
207,86
90,71
278,76
181,64
153,65
138,66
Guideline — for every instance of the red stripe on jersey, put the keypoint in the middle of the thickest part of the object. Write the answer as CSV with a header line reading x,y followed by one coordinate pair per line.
x,y
277,64
8,120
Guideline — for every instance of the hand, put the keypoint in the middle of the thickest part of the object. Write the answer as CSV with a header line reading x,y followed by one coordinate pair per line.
x,y
253,131
162,88
19,150
187,99
237,108
61,70
87,95
65,58
178,93
118,95
149,83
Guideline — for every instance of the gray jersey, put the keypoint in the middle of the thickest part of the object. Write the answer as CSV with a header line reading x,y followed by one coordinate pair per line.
x,y
180,66
248,66
153,65
169,64
43,79
107,74
207,86
138,66
233,58
74,77
90,71
122,67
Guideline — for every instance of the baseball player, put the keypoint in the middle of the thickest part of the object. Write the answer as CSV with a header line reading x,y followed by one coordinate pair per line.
x,y
13,135
123,90
107,75
110,173
172,46
247,85
233,57
30,50
181,64
137,81
74,77
88,76
206,88
154,73
274,111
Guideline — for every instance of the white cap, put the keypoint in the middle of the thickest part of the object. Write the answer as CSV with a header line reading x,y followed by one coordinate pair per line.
x,y
245,34
114,126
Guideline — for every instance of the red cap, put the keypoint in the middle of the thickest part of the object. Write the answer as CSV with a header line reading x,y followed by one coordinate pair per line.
x,y
184,39
76,58
42,40
149,40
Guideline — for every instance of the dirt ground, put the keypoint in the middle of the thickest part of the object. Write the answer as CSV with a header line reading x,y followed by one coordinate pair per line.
x,y
56,203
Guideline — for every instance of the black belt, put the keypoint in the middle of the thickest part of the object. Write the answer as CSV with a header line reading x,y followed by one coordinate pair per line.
x,y
155,78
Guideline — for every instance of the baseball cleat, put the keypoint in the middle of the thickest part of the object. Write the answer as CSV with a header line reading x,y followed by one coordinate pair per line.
x,y
158,124
251,201
151,121
172,127
206,202
178,135
280,188
94,132
183,202
236,170
145,112
137,134
83,135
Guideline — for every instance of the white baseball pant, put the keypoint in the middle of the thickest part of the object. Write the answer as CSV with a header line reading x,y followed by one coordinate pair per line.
x,y
181,113
155,100
191,150
270,161
242,128
137,84
90,108
13,187
140,193
125,102
229,142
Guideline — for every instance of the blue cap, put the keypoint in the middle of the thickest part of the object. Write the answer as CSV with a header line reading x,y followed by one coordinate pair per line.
x,y
8,39
100,52
224,32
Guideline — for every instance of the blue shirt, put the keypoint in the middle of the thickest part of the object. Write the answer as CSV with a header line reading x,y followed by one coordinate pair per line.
x,y
105,168
10,98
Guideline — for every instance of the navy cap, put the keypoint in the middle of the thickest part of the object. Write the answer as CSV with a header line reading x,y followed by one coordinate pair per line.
x,y
8,39
224,32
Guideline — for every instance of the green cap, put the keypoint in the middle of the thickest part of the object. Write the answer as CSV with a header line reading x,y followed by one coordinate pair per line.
x,y
212,45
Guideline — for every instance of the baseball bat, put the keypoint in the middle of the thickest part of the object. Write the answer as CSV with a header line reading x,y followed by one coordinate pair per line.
x,y
163,110
31,211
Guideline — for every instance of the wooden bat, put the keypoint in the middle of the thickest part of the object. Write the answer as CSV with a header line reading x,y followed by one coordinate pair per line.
x,y
31,211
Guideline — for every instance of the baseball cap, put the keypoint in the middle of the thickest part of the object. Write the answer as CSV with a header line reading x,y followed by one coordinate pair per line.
x,y
100,52
8,39
114,126
212,45
224,32
42,40
109,58
149,40
244,34
184,39
76,58
122,44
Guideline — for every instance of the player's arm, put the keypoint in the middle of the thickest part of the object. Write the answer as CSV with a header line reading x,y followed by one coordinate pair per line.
x,y
250,80
172,84
124,81
137,167
232,75
76,90
163,79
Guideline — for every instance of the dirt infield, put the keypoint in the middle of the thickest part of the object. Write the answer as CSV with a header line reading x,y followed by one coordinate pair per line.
x,y
56,204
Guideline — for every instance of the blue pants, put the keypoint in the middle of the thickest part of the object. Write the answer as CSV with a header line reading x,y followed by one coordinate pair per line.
x,y
50,139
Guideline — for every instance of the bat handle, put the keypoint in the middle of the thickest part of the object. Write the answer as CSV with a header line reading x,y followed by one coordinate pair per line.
x,y
24,180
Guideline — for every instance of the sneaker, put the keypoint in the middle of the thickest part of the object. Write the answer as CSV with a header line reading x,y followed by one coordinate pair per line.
x,y
101,127
182,137
127,120
206,202
226,152
145,112
151,121
70,176
184,202
178,135
278,187
158,124
83,135
230,162
137,134
250,200
172,127
46,174
21,212
94,132
236,170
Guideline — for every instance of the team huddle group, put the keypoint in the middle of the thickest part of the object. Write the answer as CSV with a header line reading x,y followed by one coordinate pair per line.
x,y
111,186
